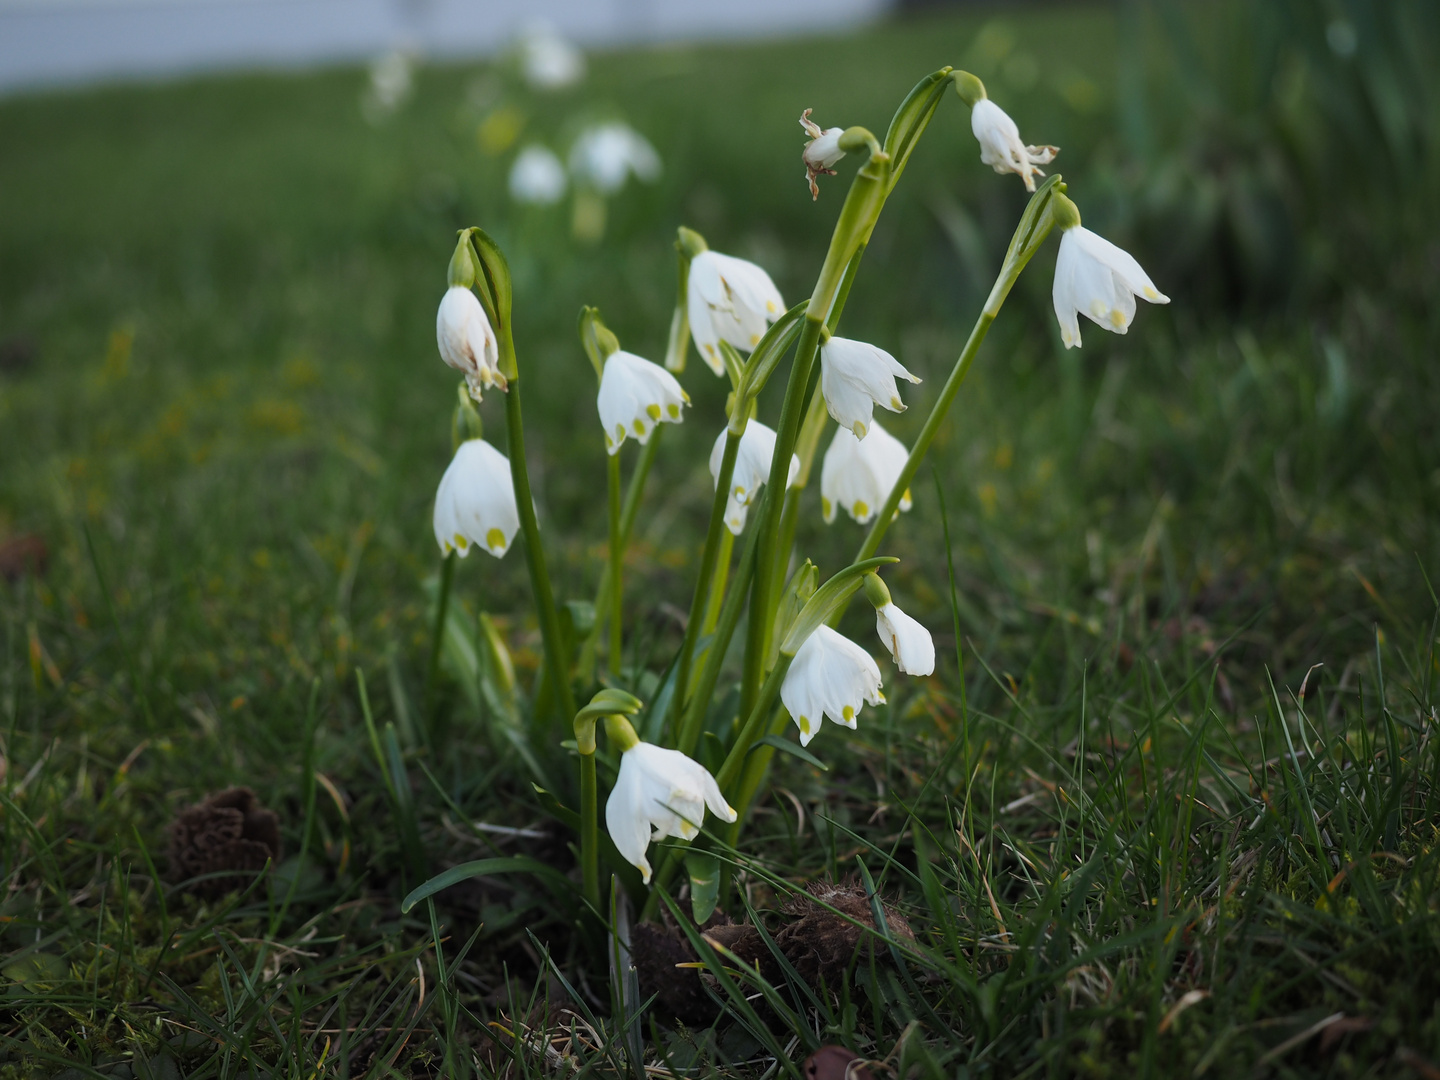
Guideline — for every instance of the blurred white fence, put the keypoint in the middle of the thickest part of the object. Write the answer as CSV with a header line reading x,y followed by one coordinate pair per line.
x,y
47,42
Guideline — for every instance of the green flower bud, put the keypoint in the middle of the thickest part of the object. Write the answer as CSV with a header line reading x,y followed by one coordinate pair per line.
x,y
622,735
462,263
1064,211
876,592
969,88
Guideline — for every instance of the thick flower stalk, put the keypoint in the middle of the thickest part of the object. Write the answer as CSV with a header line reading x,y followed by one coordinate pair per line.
x,y
855,377
475,503
910,644
728,299
830,676
821,152
858,475
1000,144
636,395
1096,279
752,469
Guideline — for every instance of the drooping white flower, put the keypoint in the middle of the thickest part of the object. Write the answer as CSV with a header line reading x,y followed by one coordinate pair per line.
x,y
830,676
857,474
910,644
1095,278
855,377
660,790
821,152
475,503
466,341
1001,147
635,395
605,155
752,469
537,177
729,299
548,61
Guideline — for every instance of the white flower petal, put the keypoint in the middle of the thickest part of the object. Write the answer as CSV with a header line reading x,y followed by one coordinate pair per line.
x,y
729,299
1096,279
1001,146
475,503
855,377
752,470
467,343
829,676
910,644
660,790
857,475
634,396
537,177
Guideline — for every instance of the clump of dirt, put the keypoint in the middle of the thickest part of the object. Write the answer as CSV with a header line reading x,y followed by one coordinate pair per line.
x,y
229,833
822,930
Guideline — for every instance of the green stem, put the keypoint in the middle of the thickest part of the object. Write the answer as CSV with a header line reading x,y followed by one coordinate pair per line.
x,y
757,764
730,612
633,493
589,830
447,575
863,204
722,575
616,561
707,565
926,436
555,660
754,724
763,592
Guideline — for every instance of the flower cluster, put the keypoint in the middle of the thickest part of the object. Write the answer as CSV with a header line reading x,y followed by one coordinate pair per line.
x,y
735,316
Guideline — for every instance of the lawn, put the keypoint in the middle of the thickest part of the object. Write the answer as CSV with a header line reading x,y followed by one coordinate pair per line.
x,y
1168,806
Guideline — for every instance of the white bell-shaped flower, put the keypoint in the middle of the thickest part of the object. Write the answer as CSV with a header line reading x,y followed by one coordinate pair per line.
x,y
660,790
475,503
548,61
857,474
537,177
910,644
467,343
635,395
855,377
605,155
830,676
1096,279
821,152
729,299
1001,147
752,469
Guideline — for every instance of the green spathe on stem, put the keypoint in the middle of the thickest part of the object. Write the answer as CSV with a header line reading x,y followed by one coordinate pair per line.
x,y
1035,225
827,600
598,340
688,244
913,117
493,284
607,702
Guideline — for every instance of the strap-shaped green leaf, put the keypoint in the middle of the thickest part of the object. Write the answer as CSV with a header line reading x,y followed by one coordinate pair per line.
x,y
518,864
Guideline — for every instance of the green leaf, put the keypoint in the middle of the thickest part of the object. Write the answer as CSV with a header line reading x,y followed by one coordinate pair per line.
x,y
827,600
785,746
479,868
556,809
704,871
